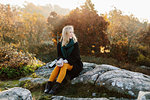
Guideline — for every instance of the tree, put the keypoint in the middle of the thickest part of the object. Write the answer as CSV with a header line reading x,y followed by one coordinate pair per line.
x,y
124,28
54,24
88,5
21,28
8,20
90,28
145,39
125,31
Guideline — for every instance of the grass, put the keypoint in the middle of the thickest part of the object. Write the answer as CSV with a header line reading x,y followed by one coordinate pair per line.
x,y
77,90
4,85
84,91
111,61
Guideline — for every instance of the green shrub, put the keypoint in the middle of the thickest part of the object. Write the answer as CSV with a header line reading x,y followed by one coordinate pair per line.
x,y
31,86
14,63
10,73
44,52
143,60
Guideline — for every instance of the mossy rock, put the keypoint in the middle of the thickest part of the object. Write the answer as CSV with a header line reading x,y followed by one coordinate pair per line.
x,y
32,86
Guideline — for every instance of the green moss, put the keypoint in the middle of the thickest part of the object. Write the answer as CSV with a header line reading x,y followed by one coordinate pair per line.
x,y
8,84
31,86
33,75
79,91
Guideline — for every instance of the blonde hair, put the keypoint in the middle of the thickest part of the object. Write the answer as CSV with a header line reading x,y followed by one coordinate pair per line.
x,y
65,35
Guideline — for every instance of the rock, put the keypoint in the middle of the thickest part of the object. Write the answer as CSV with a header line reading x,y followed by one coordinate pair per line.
x,y
16,93
39,80
92,75
87,67
114,98
34,80
25,78
67,98
145,67
143,95
93,94
125,82
86,64
116,79
45,71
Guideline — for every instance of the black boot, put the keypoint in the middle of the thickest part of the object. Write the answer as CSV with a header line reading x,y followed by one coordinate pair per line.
x,y
55,88
48,86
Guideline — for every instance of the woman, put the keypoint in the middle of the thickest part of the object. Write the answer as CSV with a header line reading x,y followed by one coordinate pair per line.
x,y
68,60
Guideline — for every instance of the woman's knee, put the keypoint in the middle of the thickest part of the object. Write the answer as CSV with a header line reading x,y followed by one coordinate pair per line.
x,y
57,67
64,67
67,66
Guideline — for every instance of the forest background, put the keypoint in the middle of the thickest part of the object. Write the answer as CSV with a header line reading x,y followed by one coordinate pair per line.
x,y
29,35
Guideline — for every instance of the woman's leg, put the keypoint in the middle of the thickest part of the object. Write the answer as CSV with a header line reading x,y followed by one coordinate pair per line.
x,y
63,71
54,74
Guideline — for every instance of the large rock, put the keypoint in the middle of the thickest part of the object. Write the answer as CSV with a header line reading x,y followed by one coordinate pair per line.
x,y
92,75
119,80
87,67
145,67
67,98
124,81
34,80
143,95
45,71
16,93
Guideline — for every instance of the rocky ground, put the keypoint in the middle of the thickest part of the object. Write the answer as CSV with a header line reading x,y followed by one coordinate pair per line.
x,y
95,82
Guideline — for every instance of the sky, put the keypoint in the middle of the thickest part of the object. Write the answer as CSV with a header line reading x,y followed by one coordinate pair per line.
x,y
139,8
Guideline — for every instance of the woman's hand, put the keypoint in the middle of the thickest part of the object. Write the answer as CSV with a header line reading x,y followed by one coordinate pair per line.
x,y
65,61
60,62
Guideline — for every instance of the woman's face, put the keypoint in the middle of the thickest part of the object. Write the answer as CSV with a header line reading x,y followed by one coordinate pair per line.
x,y
71,34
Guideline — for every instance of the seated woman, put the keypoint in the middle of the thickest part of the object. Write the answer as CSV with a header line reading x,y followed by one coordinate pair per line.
x,y
68,61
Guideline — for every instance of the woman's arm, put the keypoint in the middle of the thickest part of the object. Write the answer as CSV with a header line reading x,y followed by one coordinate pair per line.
x,y
75,55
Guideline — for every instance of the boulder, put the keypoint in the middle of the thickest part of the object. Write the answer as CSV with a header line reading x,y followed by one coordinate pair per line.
x,y
125,82
116,79
25,78
16,93
92,75
45,71
87,67
144,95
34,80
145,67
67,98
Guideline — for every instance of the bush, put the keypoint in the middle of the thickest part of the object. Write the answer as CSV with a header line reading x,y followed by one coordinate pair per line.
x,y
89,27
14,63
143,60
119,52
44,52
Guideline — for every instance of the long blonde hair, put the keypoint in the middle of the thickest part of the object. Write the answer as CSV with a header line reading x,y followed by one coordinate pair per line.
x,y
65,35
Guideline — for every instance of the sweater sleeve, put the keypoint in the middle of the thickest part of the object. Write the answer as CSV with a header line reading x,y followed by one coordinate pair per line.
x,y
75,55
59,53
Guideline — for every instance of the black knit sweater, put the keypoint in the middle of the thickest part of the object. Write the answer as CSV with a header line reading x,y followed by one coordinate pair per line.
x,y
74,59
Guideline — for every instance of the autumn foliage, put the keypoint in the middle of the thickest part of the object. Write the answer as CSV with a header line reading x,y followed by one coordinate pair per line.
x,y
90,28
29,30
14,63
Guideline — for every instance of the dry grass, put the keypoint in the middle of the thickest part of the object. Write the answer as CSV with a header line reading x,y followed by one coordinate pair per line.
x,y
128,66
